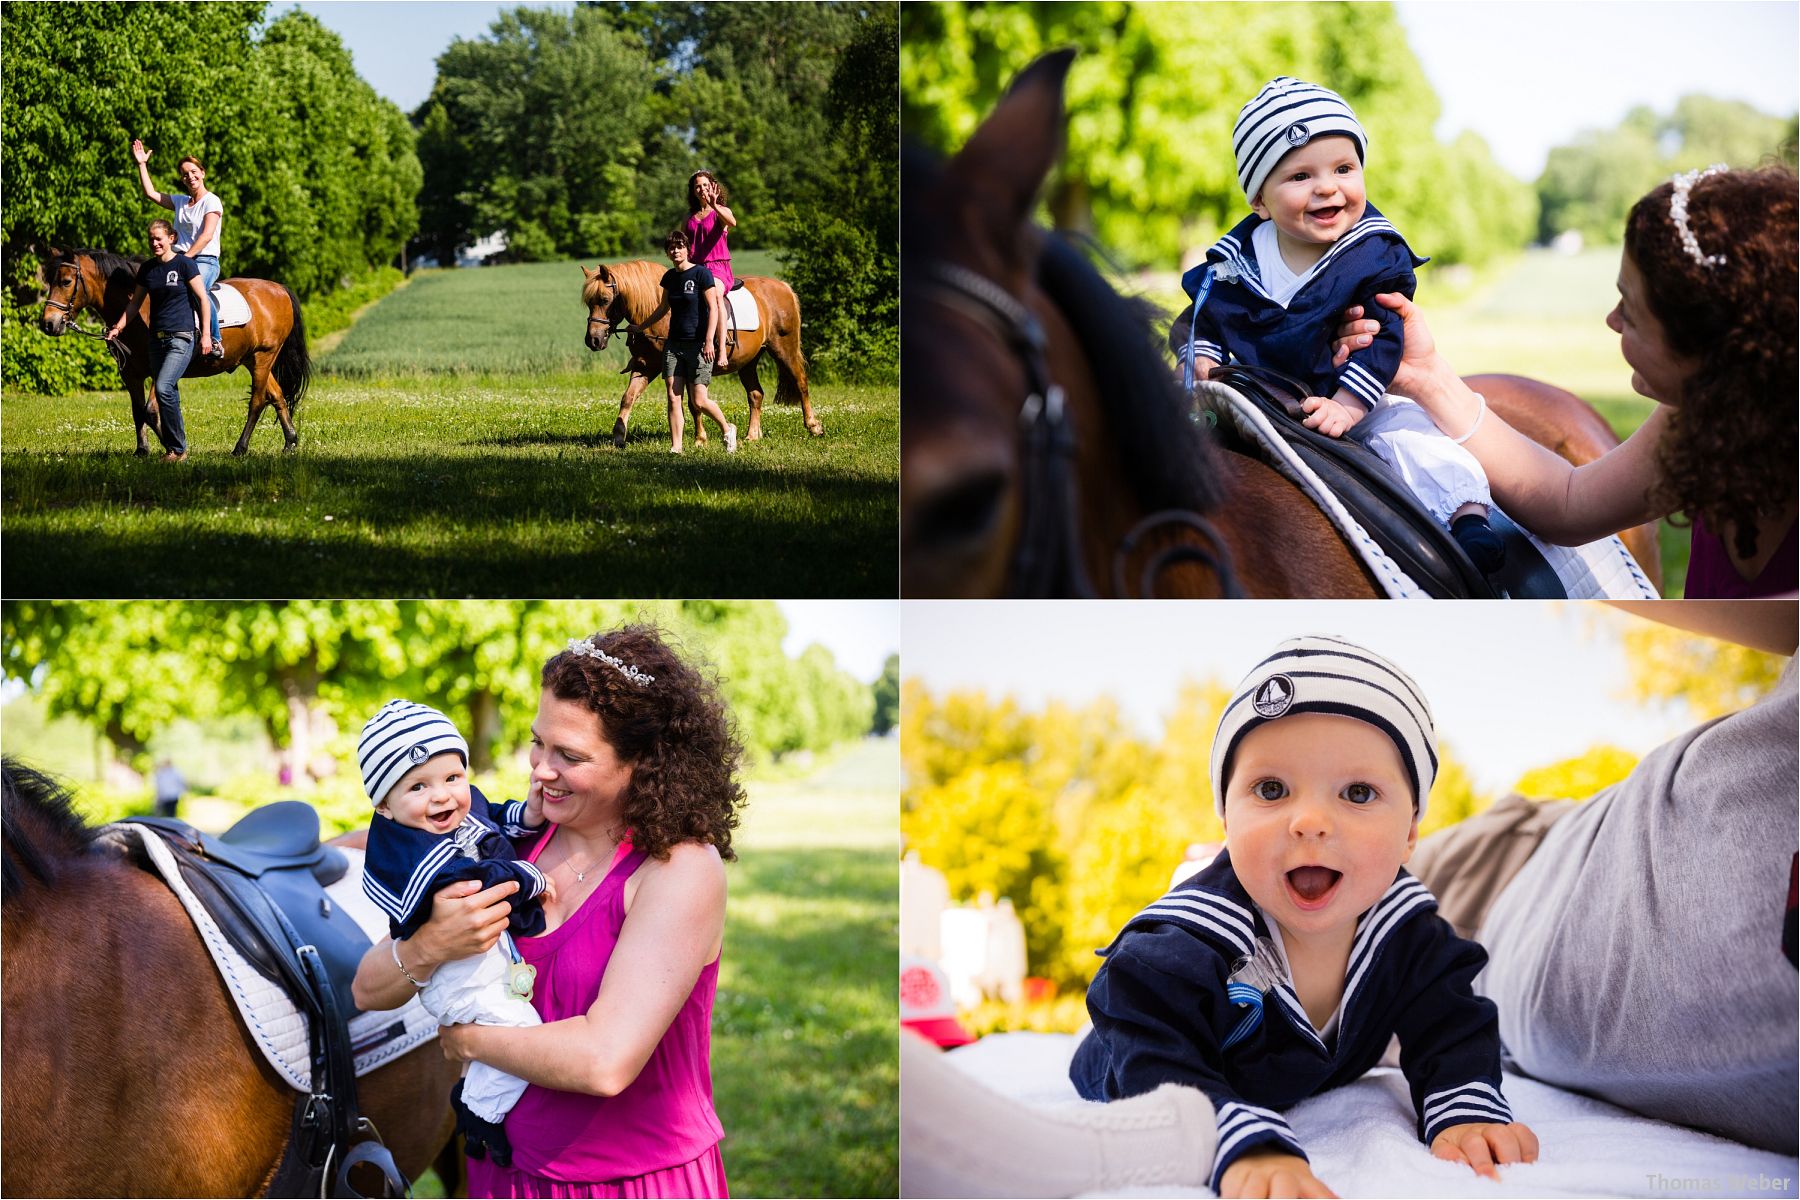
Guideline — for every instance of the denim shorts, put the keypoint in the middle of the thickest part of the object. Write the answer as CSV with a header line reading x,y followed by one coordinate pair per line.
x,y
681,358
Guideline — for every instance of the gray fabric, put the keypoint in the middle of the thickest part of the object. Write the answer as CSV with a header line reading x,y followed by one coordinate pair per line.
x,y
1637,955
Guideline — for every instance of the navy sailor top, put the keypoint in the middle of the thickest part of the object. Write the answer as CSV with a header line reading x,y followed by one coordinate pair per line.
x,y
1238,319
1162,1014
405,867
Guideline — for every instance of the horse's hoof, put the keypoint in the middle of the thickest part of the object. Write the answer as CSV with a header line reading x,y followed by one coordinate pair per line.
x,y
618,435
239,451
816,429
141,452
290,447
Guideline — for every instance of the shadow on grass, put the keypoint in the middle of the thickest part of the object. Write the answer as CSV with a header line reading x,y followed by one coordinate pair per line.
x,y
805,1060
573,522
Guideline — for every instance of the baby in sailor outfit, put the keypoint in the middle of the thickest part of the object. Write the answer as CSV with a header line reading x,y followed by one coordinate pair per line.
x,y
1282,969
432,829
1271,292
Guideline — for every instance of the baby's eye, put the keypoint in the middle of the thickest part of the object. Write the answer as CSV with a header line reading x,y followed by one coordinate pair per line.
x,y
1358,793
1344,168
1269,789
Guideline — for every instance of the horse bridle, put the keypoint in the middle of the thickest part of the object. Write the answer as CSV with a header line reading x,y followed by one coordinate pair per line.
x,y
1047,561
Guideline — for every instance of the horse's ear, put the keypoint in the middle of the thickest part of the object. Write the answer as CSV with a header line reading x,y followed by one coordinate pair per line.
x,y
600,272
1002,167
587,273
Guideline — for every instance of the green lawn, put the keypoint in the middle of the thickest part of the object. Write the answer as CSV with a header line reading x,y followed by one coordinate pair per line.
x,y
805,1059
479,479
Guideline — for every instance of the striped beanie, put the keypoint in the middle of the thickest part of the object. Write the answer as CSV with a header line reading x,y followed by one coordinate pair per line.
x,y
400,737
1338,678
1285,114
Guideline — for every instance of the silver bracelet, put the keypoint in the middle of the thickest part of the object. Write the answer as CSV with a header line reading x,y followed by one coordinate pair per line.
x,y
394,946
1480,413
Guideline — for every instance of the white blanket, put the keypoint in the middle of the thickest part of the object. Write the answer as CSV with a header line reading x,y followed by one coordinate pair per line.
x,y
233,308
1361,1141
744,315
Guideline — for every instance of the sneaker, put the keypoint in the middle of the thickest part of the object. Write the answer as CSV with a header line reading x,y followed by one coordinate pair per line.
x,y
731,439
1479,541
674,449
172,456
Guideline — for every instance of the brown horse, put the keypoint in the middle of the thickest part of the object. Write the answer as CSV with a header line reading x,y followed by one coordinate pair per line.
x,y
630,291
128,1069
1045,446
272,345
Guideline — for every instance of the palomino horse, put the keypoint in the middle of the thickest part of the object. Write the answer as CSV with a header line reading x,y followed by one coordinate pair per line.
x,y
272,345
128,1069
630,291
1045,446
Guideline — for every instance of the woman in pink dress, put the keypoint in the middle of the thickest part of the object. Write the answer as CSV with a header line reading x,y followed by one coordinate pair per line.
x,y
707,223
633,756
1705,319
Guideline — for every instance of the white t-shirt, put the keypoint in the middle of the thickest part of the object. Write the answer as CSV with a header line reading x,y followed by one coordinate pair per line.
x,y
1277,280
190,216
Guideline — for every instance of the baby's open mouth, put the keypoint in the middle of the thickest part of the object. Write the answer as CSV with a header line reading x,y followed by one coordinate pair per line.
x,y
1326,214
1312,884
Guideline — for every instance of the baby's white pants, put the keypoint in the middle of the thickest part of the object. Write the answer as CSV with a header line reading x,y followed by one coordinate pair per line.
x,y
474,990
1442,474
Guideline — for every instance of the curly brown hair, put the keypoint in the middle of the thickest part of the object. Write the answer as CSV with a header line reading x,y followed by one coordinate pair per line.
x,y
675,732
1730,455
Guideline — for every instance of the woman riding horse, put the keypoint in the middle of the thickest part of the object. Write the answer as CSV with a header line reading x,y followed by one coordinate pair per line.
x,y
199,217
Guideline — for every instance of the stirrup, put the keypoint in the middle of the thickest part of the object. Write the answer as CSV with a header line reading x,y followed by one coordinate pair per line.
x,y
393,1183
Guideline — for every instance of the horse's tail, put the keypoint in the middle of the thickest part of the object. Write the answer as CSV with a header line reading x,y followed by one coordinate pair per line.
x,y
790,363
293,367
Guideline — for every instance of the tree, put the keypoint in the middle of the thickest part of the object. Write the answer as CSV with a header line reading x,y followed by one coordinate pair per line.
x,y
1580,777
1149,168
886,692
317,173
1590,184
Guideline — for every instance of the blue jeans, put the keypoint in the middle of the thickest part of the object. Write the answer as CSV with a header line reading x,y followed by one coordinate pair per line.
x,y
209,276
170,354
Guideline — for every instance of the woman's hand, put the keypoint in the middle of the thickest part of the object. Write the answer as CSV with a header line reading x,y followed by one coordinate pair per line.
x,y
113,333
1272,1174
465,921
140,155
1419,360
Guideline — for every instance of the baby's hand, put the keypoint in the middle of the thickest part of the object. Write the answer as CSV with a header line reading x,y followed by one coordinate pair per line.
x,y
1272,1174
1482,1144
534,804
549,896
1332,417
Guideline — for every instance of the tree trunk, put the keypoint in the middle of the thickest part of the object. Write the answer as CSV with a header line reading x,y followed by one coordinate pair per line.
x,y
299,690
484,728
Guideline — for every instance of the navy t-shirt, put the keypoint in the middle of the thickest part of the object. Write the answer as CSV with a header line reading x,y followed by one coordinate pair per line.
x,y
687,299
172,304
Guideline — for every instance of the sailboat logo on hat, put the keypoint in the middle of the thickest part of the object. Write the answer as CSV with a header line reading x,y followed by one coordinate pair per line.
x,y
1273,696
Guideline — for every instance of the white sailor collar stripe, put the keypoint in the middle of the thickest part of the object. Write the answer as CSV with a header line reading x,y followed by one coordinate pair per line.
x,y
1208,914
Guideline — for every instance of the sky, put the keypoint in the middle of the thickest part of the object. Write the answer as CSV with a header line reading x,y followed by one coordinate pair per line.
x,y
1525,74
859,633
1512,686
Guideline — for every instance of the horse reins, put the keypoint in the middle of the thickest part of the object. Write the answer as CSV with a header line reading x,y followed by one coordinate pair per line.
x,y
119,352
1048,562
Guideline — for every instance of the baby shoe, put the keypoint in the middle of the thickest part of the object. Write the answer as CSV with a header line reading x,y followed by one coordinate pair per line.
x,y
1479,541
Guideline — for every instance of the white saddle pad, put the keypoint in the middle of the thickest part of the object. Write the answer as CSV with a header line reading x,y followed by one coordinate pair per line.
x,y
743,309
279,1029
1598,570
233,308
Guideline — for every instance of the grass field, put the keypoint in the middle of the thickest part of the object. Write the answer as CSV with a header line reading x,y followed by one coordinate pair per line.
x,y
454,443
1544,316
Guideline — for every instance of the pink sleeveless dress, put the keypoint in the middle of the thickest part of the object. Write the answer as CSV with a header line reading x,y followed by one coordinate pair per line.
x,y
706,246
658,1137
1712,577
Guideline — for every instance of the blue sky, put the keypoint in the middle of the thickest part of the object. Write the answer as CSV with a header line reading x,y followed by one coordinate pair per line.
x,y
1525,74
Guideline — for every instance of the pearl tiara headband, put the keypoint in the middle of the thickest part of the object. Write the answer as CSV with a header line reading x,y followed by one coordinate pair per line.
x,y
587,649
1678,213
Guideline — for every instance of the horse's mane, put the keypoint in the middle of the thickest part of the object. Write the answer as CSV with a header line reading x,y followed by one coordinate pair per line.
x,y
38,818
109,262
1173,463
1170,460
635,280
